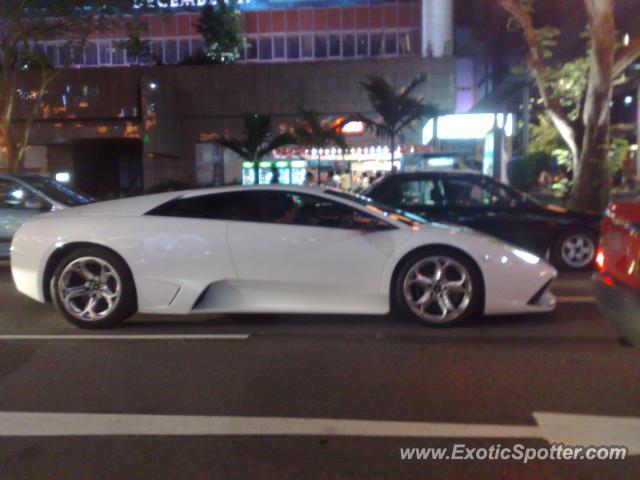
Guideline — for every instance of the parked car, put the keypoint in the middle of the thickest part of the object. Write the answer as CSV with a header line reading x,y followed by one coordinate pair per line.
x,y
269,249
617,282
484,204
25,195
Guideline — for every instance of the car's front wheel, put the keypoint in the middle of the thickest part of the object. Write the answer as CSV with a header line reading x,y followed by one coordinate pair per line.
x,y
439,287
93,288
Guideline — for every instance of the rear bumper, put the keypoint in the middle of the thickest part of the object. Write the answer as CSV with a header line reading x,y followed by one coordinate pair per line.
x,y
620,305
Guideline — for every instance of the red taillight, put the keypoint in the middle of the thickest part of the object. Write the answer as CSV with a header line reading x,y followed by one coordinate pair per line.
x,y
600,259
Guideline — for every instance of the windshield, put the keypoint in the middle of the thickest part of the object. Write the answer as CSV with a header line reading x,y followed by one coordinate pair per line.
x,y
58,192
393,213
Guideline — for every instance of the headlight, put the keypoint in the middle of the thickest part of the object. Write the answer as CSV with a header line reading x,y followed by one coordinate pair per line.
x,y
526,256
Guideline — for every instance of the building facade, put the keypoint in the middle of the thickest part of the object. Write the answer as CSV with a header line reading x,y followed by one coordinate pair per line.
x,y
117,126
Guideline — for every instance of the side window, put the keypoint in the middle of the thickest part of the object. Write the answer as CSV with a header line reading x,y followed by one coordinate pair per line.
x,y
271,207
15,196
312,211
219,206
461,192
423,192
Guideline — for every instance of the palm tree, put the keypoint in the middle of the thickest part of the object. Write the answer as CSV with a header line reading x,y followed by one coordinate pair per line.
x,y
395,110
258,140
311,131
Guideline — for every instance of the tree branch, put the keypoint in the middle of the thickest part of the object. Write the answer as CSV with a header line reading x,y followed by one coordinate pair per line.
x,y
626,56
535,61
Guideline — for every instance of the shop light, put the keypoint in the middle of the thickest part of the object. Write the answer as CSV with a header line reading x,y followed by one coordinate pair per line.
x,y
282,164
264,164
353,128
427,132
628,100
441,162
247,164
63,177
298,164
468,126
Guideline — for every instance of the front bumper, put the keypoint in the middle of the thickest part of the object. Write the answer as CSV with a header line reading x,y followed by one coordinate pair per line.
x,y
620,305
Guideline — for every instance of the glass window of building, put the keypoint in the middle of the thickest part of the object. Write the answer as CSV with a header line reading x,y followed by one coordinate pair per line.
x,y
348,45
363,44
404,42
278,47
307,46
90,54
104,53
334,45
376,44
170,51
264,46
51,51
196,45
184,50
117,56
390,43
321,46
293,47
252,48
157,50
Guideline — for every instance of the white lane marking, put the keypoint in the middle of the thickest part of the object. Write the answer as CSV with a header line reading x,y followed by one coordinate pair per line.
x,y
576,299
552,427
124,337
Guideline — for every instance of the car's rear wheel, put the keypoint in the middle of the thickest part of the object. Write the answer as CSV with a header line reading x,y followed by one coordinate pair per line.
x,y
439,287
93,288
575,250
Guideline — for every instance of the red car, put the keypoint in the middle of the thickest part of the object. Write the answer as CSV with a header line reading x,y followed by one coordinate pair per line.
x,y
617,283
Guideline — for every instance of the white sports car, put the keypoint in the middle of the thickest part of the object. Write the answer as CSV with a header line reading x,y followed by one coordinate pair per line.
x,y
268,249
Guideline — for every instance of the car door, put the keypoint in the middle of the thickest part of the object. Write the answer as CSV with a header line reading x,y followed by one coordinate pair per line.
x,y
485,205
17,205
309,253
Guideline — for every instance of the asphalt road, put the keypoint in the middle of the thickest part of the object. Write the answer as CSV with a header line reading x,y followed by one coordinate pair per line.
x,y
495,372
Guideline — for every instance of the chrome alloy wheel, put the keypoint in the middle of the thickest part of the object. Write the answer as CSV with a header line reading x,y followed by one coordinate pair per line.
x,y
438,289
89,288
578,250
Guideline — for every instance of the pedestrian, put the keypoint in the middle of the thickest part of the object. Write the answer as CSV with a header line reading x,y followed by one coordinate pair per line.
x,y
309,179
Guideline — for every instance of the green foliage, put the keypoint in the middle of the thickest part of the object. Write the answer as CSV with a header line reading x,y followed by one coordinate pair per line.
x,y
221,29
258,140
569,83
526,171
395,110
311,131
137,48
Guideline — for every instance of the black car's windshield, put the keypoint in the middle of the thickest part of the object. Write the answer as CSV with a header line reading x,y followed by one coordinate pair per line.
x,y
393,213
58,192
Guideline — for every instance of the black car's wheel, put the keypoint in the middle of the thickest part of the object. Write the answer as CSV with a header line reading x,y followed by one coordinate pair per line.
x,y
93,288
575,250
439,287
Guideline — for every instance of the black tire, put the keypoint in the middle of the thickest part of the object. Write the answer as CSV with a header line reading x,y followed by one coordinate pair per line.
x,y
123,307
476,295
562,262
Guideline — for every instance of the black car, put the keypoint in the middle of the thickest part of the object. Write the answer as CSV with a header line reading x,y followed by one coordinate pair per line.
x,y
482,203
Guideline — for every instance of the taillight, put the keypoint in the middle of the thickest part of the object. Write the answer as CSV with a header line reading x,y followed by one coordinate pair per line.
x,y
600,259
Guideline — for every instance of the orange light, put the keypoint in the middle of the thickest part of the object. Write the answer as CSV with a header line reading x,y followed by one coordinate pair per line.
x,y
600,259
